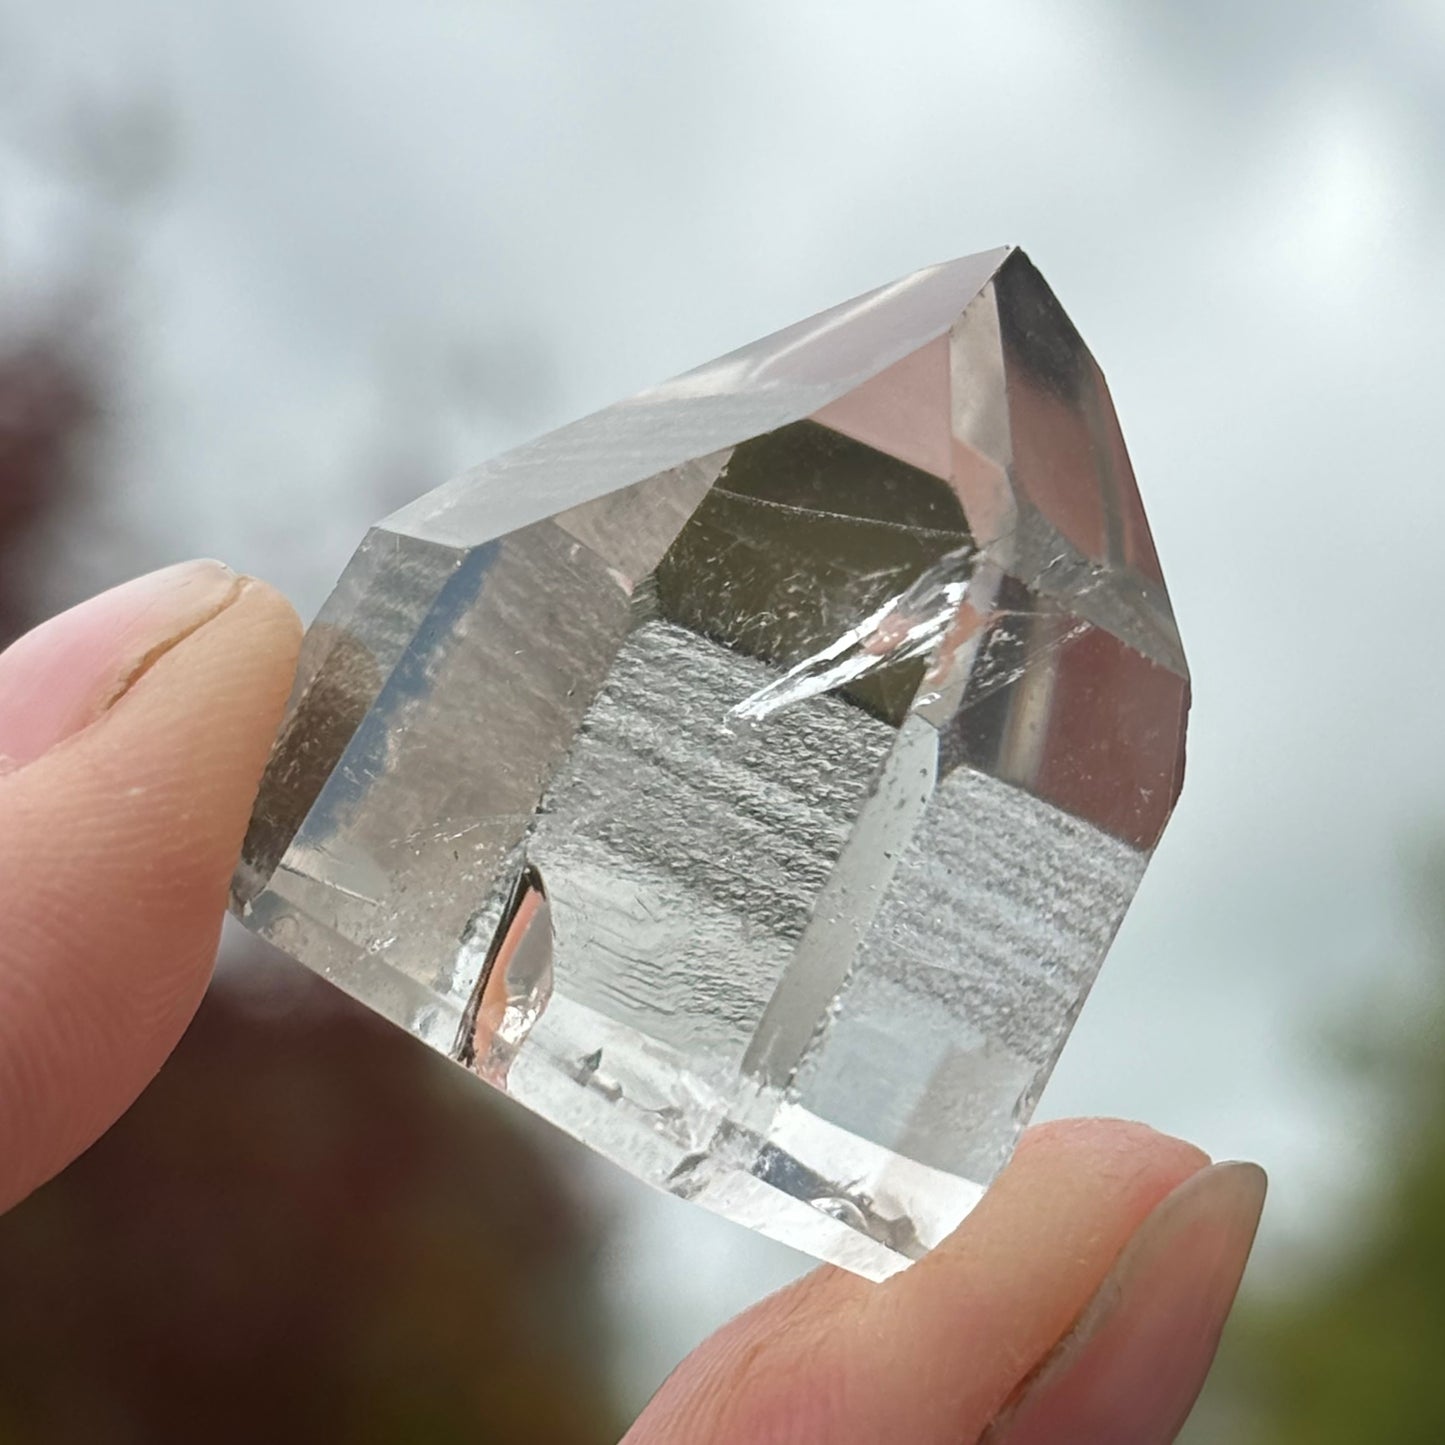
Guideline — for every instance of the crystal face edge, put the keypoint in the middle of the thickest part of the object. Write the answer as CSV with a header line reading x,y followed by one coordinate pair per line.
x,y
818,980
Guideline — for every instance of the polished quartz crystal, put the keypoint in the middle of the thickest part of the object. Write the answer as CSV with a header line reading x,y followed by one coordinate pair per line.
x,y
749,778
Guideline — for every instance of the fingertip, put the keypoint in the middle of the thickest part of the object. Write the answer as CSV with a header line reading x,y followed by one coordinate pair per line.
x,y
271,619
1132,1365
60,677
116,850
1103,1140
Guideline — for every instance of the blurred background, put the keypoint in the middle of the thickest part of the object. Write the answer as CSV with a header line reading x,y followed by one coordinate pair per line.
x,y
269,268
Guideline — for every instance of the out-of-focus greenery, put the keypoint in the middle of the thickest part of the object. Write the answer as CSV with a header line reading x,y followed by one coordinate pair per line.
x,y
1355,1350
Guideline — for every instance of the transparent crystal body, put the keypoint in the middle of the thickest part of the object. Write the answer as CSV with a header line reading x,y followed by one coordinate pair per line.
x,y
750,778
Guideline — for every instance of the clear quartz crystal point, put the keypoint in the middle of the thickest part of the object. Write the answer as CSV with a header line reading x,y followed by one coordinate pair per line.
x,y
749,778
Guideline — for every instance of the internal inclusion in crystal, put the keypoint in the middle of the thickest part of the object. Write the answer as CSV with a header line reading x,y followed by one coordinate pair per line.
x,y
751,778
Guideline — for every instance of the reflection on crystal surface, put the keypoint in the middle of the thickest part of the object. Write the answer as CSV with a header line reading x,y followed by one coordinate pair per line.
x,y
515,983
750,778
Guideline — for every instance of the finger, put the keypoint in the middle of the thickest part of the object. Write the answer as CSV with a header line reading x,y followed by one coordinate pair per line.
x,y
134,730
933,1354
1129,1371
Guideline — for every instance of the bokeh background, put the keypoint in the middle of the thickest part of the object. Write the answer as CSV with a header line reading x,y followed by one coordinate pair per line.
x,y
270,267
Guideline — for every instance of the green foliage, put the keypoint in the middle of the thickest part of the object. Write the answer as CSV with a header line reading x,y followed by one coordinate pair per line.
x,y
1355,1352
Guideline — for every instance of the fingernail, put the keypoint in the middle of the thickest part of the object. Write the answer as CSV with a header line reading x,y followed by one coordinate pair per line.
x,y
62,676
1130,1371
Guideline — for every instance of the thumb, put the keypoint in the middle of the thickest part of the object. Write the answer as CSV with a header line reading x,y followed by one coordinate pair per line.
x,y
133,730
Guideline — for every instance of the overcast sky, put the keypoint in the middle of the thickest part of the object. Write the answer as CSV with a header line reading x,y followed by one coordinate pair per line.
x,y
383,240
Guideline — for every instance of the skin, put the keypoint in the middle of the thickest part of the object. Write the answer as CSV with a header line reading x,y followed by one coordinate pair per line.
x,y
1081,1301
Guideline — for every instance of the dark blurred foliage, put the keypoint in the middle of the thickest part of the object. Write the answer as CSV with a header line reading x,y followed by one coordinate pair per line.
x,y
309,1228
1352,1348
49,403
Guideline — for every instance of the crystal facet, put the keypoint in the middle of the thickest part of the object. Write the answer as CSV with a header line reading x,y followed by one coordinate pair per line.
x,y
750,777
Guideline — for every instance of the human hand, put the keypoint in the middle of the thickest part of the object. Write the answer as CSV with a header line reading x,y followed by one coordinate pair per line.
x,y
1081,1301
